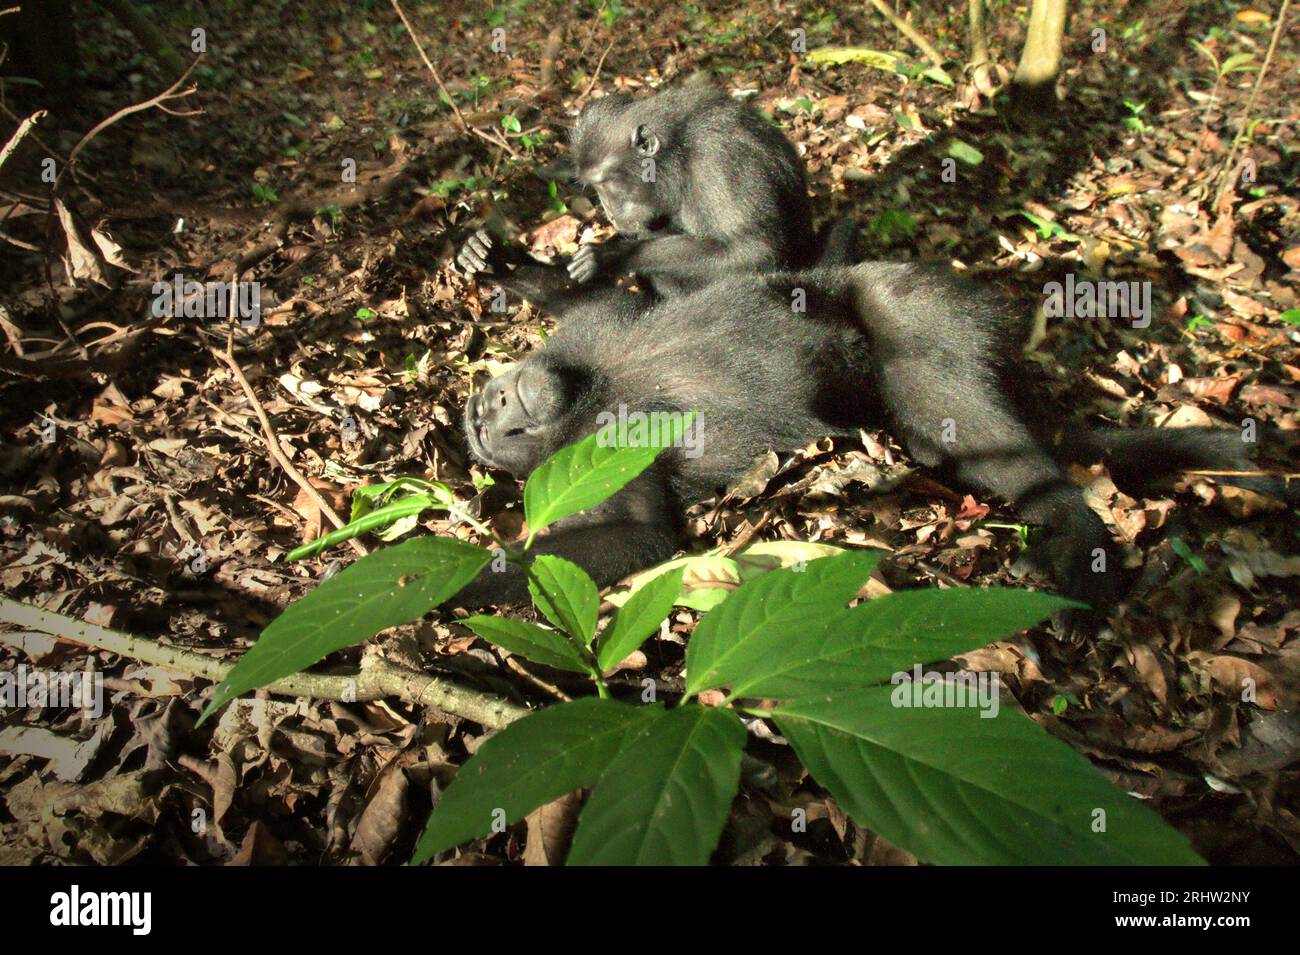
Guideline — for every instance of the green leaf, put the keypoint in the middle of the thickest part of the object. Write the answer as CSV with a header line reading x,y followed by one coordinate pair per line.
x,y
1291,316
664,799
873,641
965,153
528,640
731,641
584,474
710,577
389,587
410,506
955,788
1182,550
367,497
565,594
938,75
1237,63
639,618
529,763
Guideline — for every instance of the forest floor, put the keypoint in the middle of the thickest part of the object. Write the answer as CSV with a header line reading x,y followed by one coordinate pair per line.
x,y
137,492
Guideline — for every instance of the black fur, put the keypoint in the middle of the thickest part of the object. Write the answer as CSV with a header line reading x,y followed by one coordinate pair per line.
x,y
909,347
728,195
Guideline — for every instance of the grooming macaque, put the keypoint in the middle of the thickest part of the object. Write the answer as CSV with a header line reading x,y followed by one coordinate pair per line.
x,y
908,347
698,186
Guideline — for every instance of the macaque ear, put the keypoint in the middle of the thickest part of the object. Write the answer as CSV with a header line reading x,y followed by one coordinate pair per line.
x,y
645,142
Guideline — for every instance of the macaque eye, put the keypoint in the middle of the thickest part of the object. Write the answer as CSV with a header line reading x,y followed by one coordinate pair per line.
x,y
645,142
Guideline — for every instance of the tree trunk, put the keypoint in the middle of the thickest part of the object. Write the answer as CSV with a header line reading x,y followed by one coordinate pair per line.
x,y
1033,88
979,46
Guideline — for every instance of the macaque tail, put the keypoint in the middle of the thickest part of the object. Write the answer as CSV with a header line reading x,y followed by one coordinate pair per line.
x,y
1136,457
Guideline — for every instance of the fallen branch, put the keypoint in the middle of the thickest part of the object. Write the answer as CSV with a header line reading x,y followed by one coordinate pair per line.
x,y
376,679
273,445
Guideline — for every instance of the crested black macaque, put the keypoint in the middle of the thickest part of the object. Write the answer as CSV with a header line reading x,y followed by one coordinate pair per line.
x,y
909,347
697,184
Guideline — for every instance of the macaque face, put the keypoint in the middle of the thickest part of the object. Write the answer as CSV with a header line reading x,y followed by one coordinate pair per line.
x,y
508,423
619,157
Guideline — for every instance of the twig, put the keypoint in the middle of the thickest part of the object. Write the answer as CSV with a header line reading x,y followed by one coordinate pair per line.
x,y
23,129
49,150
436,78
12,332
743,540
495,139
273,445
460,117
537,681
20,243
1282,476
910,32
376,679
595,76
1228,167
168,94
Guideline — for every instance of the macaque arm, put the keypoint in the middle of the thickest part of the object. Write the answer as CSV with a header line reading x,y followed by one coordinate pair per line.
x,y
629,532
683,258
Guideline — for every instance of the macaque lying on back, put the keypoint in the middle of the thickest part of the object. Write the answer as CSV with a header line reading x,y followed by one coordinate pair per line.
x,y
907,347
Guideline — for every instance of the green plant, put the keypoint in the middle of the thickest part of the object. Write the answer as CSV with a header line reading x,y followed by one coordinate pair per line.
x,y
1047,229
1236,63
264,194
557,204
333,213
609,10
1133,121
891,225
951,783
445,188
